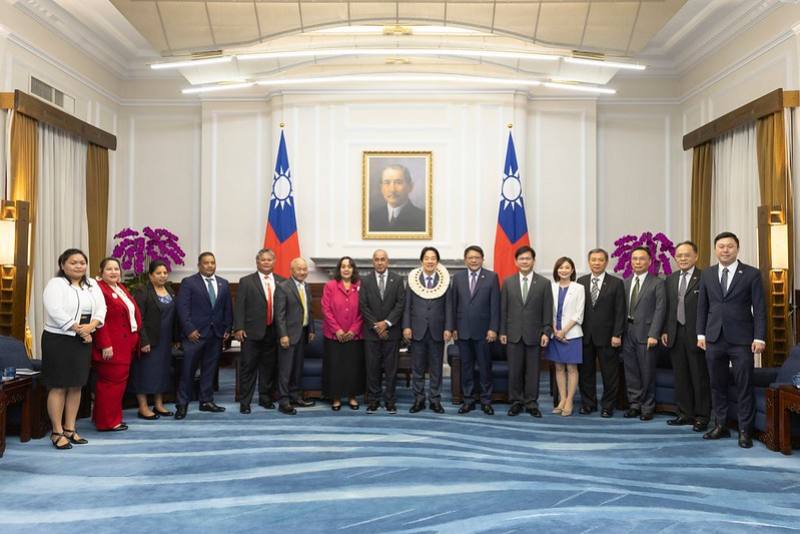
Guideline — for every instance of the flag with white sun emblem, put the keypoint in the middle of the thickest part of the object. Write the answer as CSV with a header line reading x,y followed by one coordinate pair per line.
x,y
281,235
512,228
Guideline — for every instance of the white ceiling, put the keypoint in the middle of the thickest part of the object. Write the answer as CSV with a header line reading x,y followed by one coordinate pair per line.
x,y
128,35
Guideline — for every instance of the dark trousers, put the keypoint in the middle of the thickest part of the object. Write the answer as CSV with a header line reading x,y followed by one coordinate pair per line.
x,y
290,371
718,357
692,387
523,374
472,351
640,374
426,356
205,354
381,360
258,359
609,370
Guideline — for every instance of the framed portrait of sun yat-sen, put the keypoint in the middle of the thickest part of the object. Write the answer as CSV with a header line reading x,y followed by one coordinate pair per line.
x,y
397,195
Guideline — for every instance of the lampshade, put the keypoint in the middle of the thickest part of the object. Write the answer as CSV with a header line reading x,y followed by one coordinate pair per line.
x,y
7,241
779,243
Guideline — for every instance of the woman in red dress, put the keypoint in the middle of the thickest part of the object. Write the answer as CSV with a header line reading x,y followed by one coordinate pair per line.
x,y
114,346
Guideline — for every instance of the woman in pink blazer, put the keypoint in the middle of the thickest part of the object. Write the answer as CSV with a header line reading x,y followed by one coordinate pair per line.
x,y
343,367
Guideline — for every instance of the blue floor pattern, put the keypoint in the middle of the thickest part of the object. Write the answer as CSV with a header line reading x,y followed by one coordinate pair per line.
x,y
324,471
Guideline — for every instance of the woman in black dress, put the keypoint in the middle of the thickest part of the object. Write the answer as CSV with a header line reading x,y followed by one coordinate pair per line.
x,y
74,307
151,371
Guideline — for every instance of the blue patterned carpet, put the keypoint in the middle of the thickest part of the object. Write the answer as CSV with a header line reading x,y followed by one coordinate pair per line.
x,y
348,472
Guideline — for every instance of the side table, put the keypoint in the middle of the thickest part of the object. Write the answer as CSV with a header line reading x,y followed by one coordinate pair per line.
x,y
13,391
788,403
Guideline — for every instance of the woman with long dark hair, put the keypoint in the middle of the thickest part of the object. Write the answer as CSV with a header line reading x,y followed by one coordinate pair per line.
x,y
74,308
343,363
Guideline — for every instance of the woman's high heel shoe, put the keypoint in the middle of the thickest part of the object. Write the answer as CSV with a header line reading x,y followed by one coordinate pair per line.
x,y
557,410
58,437
336,407
70,435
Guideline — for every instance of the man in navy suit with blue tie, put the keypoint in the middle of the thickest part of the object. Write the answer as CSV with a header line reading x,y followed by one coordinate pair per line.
x,y
474,321
205,315
731,327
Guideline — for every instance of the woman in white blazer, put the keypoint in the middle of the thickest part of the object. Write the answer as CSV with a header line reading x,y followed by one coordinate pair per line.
x,y
566,348
73,308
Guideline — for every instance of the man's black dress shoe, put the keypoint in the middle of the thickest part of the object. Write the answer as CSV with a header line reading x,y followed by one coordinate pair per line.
x,y
391,408
607,414
700,426
632,412
417,407
244,408
487,409
267,405
153,417
585,411
180,411
302,403
437,407
372,407
515,409
466,408
679,421
288,409
534,412
717,432
646,417
745,441
211,407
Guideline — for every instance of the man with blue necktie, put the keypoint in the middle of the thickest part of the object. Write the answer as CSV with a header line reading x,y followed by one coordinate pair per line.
x,y
731,327
475,320
424,322
205,315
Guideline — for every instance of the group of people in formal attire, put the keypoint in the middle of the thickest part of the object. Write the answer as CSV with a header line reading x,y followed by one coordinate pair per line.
x,y
707,321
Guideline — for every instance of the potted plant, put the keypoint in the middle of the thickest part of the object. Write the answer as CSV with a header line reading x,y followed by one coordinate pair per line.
x,y
135,250
661,251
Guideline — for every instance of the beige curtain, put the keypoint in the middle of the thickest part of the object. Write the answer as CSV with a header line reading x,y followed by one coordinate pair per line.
x,y
97,202
23,155
702,176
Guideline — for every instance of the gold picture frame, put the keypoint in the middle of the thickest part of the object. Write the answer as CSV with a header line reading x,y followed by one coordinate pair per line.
x,y
389,208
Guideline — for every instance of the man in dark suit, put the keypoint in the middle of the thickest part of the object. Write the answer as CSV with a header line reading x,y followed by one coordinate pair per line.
x,y
475,320
382,301
295,327
646,309
692,389
205,315
731,327
603,325
424,322
254,328
526,323
398,214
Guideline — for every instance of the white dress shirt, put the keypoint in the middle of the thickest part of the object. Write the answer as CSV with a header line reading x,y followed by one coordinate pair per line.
x,y
213,283
128,304
395,212
731,272
642,278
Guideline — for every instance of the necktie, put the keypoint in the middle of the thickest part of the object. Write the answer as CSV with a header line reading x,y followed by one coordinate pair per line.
x,y
430,282
302,292
681,299
269,303
524,289
724,281
381,285
212,293
473,281
595,290
634,298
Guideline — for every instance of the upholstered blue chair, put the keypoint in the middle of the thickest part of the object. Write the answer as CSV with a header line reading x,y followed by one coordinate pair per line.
x,y
499,373
13,354
312,364
766,381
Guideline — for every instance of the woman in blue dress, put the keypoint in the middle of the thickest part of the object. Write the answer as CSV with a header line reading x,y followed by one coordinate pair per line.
x,y
150,374
566,348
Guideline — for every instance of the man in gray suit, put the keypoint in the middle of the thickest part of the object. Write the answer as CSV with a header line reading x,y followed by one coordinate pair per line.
x,y
647,305
295,328
254,328
381,299
526,316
